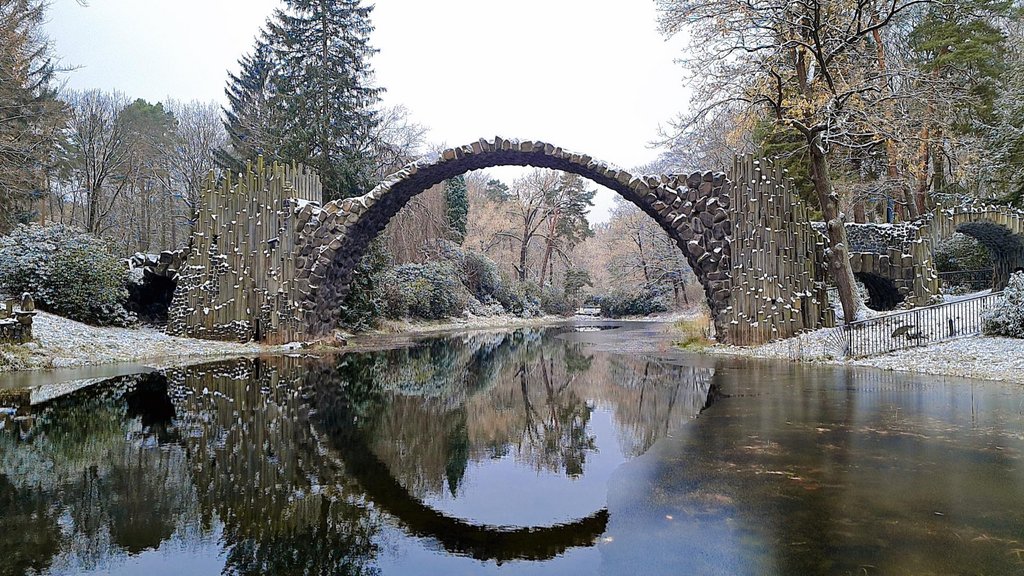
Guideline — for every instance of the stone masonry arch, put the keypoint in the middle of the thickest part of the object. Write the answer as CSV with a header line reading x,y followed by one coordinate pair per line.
x,y
999,228
691,209
268,261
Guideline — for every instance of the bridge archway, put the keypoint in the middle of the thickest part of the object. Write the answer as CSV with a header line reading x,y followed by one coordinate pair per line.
x,y
882,292
1006,248
691,209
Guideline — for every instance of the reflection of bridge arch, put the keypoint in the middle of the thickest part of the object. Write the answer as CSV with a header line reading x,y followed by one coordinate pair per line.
x,y
342,424
693,210
458,536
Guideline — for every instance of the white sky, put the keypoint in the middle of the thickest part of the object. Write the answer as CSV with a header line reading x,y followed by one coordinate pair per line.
x,y
589,75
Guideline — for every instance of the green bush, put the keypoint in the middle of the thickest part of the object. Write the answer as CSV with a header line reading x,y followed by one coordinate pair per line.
x,y
430,291
555,302
67,271
520,298
362,306
619,304
478,273
1007,318
961,252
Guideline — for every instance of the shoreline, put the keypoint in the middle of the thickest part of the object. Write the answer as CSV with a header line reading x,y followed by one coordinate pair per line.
x,y
63,345
66,346
979,357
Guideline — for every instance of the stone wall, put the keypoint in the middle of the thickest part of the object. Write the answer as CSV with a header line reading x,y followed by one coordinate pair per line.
x,y
900,253
240,282
16,315
777,276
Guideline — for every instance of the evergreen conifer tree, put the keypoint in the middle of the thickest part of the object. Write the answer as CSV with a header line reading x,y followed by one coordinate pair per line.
x,y
456,198
323,81
248,118
30,113
305,95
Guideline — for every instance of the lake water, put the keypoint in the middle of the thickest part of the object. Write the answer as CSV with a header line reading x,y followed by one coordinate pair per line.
x,y
527,452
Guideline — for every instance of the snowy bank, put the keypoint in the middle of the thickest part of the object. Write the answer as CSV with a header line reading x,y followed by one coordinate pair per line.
x,y
982,357
63,343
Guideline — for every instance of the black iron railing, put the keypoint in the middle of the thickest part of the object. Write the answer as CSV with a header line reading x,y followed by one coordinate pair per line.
x,y
971,279
915,327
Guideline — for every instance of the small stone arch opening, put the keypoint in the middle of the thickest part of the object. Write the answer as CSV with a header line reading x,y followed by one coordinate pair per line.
x,y
1006,248
882,292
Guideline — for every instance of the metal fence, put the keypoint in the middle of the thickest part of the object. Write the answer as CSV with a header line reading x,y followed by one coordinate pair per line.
x,y
970,279
915,327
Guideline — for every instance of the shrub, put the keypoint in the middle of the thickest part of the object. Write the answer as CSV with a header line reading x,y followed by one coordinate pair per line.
x,y
1007,318
619,304
478,273
67,271
554,302
362,306
961,252
520,298
431,291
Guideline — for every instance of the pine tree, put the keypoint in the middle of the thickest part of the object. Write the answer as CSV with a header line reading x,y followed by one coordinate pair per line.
x,y
323,79
961,50
30,113
457,200
249,117
1005,140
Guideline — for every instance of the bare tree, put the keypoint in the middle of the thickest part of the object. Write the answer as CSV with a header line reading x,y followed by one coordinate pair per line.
x,y
199,133
810,66
98,148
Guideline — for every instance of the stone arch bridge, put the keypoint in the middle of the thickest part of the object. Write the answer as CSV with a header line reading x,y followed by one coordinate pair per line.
x,y
895,261
270,261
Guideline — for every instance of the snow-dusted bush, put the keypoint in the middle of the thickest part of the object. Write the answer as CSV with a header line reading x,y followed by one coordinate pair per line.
x,y
642,303
520,298
1007,318
67,271
431,291
553,301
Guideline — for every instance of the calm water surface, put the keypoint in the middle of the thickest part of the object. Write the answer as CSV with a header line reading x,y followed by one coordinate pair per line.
x,y
530,452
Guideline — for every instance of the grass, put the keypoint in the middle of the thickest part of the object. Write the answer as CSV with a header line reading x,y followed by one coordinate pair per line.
x,y
13,357
695,333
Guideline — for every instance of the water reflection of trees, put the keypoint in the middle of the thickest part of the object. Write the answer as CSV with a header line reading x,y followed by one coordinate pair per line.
x,y
259,470
90,471
522,394
259,451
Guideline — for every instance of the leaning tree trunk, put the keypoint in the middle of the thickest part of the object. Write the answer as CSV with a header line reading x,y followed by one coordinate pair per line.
x,y
838,253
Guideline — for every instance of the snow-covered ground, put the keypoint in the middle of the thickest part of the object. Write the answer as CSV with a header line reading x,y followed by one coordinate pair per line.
x,y
63,343
982,357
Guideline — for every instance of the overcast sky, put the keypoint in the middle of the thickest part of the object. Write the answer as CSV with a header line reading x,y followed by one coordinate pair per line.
x,y
589,75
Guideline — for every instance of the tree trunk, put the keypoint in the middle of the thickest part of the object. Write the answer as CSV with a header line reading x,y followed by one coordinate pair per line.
x,y
643,259
523,253
922,171
838,252
892,170
549,246
939,164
